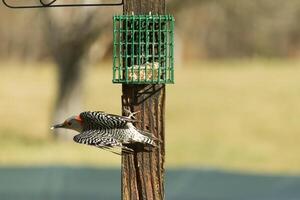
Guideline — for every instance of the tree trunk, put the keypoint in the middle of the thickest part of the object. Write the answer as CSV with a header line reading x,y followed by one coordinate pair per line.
x,y
69,95
143,171
69,34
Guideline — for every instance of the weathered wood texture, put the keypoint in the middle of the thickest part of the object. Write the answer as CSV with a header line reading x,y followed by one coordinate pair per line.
x,y
143,171
144,6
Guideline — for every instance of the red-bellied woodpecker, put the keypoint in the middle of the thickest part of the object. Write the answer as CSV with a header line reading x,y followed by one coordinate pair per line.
x,y
107,131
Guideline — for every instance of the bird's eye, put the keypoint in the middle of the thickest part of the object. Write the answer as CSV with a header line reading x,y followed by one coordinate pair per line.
x,y
69,123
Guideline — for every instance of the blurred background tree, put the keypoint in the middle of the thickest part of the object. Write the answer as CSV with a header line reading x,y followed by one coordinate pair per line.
x,y
208,29
69,35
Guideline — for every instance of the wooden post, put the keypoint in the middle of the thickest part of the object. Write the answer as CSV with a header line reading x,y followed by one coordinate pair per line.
x,y
143,171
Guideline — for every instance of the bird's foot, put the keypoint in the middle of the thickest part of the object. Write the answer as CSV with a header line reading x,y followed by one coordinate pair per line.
x,y
130,114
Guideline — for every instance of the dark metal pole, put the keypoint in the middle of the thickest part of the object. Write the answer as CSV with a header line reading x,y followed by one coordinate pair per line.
x,y
143,172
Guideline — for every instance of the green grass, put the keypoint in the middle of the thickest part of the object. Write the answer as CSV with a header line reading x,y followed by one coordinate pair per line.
x,y
237,115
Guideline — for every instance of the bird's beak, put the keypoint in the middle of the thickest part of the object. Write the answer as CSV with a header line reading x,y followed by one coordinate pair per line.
x,y
58,126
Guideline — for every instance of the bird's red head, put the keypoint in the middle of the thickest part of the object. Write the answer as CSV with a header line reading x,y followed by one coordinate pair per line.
x,y
74,123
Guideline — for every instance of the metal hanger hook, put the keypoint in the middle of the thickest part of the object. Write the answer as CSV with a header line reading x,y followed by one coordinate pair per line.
x,y
43,4
47,4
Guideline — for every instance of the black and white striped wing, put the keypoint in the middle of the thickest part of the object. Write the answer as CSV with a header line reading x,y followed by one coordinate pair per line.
x,y
95,138
102,120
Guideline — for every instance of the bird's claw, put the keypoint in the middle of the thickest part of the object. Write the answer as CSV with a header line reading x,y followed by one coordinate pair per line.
x,y
130,114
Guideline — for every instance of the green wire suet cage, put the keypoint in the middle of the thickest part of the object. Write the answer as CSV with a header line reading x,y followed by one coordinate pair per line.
x,y
143,49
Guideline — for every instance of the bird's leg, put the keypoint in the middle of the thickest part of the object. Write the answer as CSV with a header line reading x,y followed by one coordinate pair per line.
x,y
130,114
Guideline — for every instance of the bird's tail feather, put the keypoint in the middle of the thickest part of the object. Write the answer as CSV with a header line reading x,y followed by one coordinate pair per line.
x,y
150,139
119,150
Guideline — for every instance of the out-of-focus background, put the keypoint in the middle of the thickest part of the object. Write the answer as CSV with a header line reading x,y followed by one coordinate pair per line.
x,y
234,107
